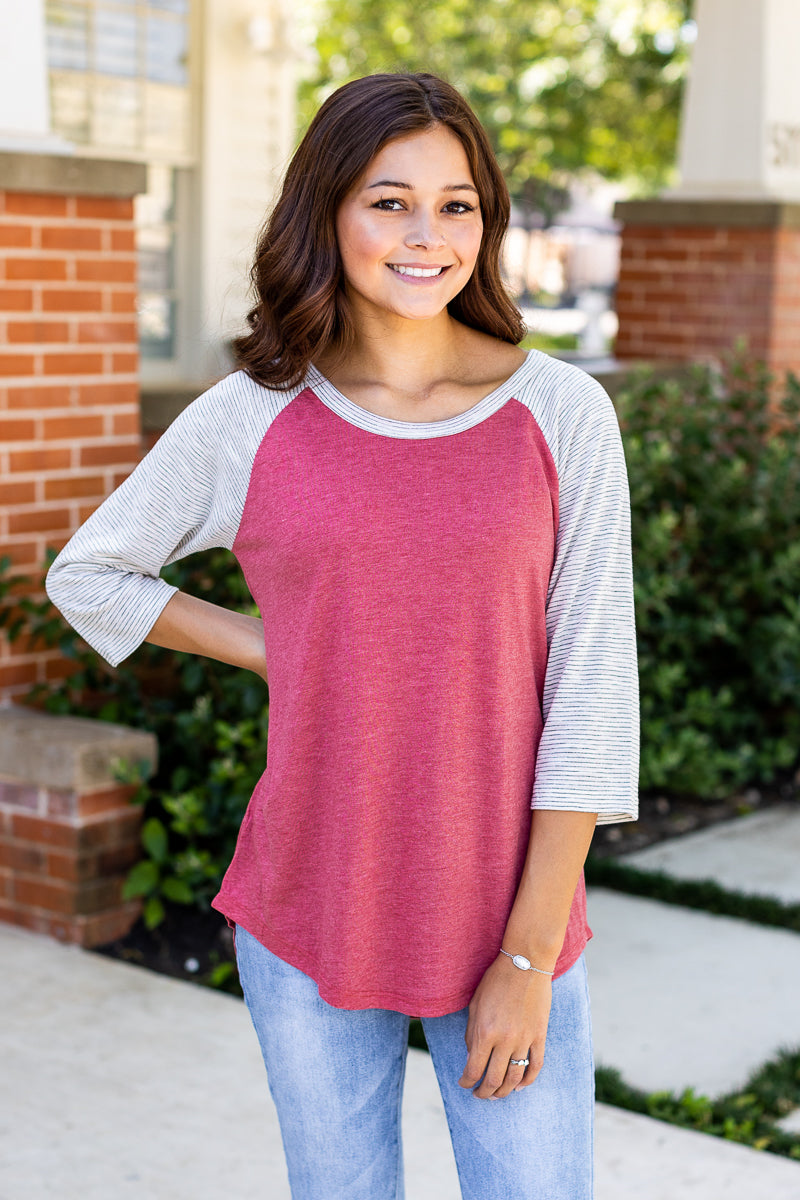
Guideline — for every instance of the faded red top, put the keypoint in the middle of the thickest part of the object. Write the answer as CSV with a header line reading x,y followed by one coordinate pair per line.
x,y
448,626
402,587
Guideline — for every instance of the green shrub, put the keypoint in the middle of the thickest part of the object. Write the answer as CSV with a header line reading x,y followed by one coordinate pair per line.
x,y
715,494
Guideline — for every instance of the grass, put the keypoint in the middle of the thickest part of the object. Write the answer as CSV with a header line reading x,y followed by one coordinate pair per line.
x,y
550,342
746,1115
703,894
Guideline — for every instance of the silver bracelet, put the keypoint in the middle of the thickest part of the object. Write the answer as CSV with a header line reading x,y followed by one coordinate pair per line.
x,y
524,964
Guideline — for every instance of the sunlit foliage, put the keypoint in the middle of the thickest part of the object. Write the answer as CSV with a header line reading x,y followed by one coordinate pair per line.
x,y
564,88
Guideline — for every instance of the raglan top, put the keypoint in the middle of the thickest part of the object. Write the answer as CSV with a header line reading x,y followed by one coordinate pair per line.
x,y
449,635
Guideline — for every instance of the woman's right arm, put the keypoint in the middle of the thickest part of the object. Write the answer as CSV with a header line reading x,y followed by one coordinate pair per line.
x,y
187,494
191,624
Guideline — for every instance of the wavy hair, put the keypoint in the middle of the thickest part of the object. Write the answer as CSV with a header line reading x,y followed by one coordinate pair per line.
x,y
297,276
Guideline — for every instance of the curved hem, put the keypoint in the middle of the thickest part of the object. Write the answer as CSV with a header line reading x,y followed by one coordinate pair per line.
x,y
356,1001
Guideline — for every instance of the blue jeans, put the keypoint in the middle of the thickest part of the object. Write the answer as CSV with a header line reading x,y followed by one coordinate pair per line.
x,y
336,1076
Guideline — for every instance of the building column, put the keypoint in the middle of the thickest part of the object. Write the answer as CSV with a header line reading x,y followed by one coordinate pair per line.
x,y
69,833
245,119
718,257
697,275
69,358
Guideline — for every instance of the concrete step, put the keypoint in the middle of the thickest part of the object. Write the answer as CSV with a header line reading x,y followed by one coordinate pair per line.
x,y
118,1082
641,1159
682,998
758,853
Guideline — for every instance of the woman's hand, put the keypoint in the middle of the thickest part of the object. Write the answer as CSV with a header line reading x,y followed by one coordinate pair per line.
x,y
509,1011
508,1017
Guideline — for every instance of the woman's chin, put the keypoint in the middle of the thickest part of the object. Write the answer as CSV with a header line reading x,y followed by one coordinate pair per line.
x,y
425,308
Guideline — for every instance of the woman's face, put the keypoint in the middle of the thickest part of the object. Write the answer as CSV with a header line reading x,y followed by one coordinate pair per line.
x,y
410,230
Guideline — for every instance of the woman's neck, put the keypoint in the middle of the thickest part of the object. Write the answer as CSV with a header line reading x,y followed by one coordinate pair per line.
x,y
417,370
419,353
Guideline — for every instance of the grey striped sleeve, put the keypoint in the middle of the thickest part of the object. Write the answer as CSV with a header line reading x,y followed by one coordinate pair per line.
x,y
186,494
588,758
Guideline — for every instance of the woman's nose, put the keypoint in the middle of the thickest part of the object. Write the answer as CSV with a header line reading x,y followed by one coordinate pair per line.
x,y
426,231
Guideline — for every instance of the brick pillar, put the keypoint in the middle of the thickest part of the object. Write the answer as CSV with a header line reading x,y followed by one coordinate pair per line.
x,y
696,275
69,393
68,833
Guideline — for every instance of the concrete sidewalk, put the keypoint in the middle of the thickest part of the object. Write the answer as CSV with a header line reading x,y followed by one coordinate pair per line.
x,y
758,854
117,1082
682,998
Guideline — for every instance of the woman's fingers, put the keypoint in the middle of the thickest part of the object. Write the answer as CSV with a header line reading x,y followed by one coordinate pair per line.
x,y
512,1075
477,1059
505,1013
500,1075
495,1074
535,1065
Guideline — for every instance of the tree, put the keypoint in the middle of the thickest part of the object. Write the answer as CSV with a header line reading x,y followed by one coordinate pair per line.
x,y
564,89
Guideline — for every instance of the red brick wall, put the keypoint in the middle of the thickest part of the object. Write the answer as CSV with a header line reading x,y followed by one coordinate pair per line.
x,y
69,833
784,346
69,395
63,859
690,290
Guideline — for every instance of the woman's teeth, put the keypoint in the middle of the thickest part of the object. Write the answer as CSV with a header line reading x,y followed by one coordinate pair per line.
x,y
422,272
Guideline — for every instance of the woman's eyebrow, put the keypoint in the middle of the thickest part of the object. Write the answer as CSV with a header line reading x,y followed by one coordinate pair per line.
x,y
450,187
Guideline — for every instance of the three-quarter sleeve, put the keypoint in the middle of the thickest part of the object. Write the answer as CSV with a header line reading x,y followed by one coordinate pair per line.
x,y
179,499
588,757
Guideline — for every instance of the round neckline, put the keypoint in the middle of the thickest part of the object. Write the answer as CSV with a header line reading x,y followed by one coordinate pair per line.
x,y
335,400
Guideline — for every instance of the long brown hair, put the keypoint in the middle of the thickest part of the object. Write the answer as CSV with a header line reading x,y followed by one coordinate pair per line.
x,y
297,275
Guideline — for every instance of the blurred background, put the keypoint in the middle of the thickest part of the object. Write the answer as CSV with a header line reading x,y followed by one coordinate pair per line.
x,y
581,100
582,104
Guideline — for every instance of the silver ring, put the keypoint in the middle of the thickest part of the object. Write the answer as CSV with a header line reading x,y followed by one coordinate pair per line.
x,y
519,1062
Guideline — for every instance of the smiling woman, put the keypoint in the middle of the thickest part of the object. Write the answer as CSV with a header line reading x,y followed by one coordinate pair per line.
x,y
359,156
434,526
409,239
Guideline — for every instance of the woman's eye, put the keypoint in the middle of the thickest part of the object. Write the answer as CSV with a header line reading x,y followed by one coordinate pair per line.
x,y
454,207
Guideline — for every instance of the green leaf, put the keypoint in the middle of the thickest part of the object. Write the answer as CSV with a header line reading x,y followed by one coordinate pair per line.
x,y
177,890
155,840
221,974
153,913
142,879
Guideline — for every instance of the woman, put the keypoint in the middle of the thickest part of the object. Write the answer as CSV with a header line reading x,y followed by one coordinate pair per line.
x,y
434,525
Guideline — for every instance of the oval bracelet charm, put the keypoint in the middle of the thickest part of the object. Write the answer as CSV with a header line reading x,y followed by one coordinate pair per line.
x,y
524,964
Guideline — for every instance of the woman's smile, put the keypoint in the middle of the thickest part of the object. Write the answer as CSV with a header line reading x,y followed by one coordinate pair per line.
x,y
417,273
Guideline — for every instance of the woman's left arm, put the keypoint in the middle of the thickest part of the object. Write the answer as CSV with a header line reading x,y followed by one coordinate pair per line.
x,y
509,1010
587,758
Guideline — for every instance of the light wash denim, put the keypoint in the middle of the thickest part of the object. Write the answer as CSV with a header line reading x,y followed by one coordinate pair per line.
x,y
336,1076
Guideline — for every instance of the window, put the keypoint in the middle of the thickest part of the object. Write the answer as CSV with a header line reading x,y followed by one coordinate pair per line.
x,y
119,76
155,227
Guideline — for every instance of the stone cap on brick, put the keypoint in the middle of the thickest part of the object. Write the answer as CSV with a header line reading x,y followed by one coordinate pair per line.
x,y
70,175
751,214
79,753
